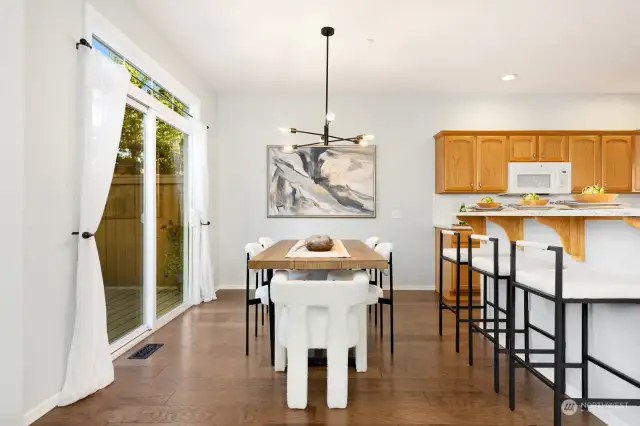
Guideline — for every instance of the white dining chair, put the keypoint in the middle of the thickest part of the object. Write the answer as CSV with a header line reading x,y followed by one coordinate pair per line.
x,y
319,315
252,250
265,242
372,242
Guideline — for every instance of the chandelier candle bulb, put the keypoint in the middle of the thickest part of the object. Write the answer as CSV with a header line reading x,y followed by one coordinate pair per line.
x,y
287,148
330,116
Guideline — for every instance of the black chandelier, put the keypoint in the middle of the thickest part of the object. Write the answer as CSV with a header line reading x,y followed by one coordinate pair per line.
x,y
325,137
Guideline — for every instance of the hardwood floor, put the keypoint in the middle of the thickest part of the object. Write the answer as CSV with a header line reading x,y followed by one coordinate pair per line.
x,y
201,377
124,308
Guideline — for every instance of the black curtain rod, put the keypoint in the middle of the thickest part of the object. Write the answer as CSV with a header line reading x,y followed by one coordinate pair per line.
x,y
83,42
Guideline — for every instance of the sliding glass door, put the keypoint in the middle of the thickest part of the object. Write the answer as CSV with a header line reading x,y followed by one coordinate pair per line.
x,y
119,236
172,231
143,235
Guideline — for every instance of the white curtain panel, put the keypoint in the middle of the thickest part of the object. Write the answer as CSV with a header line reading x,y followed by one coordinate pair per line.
x,y
203,288
104,94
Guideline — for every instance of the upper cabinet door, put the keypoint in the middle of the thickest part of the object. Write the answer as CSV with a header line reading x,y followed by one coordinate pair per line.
x,y
617,155
552,148
460,163
523,148
585,158
493,160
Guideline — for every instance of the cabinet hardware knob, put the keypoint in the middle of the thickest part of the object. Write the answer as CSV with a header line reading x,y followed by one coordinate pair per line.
x,y
471,185
480,185
534,156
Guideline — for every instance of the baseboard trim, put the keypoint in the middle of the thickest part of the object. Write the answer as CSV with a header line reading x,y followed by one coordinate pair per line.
x,y
397,287
41,409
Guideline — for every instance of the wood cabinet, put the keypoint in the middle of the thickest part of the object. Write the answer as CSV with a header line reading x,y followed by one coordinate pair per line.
x,y
458,167
470,161
552,148
617,163
586,161
636,163
523,148
449,269
493,161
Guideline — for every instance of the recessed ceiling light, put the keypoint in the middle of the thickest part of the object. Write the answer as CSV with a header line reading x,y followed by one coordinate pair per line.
x,y
509,77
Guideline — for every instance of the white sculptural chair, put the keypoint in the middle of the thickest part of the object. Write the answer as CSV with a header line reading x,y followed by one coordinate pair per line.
x,y
319,315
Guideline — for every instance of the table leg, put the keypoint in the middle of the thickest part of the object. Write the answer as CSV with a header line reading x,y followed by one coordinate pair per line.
x,y
272,323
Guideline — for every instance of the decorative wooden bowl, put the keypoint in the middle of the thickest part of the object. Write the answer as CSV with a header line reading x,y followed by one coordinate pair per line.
x,y
488,205
595,198
319,243
532,202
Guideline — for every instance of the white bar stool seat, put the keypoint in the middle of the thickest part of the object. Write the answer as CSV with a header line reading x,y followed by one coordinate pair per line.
x,y
485,263
582,284
451,253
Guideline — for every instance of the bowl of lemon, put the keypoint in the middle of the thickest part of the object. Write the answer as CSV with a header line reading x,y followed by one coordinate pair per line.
x,y
531,199
594,194
488,203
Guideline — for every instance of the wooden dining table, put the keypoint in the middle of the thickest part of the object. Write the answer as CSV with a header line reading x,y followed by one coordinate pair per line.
x,y
361,257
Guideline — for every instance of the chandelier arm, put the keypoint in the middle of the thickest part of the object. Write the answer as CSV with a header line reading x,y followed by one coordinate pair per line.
x,y
308,144
309,133
338,139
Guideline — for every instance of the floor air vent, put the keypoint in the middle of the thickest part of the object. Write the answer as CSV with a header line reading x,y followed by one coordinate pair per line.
x,y
146,351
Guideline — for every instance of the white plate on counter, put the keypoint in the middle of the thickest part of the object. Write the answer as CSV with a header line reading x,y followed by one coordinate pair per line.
x,y
521,207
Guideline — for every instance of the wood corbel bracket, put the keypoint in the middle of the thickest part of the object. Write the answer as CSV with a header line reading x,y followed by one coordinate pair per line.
x,y
513,226
633,221
570,229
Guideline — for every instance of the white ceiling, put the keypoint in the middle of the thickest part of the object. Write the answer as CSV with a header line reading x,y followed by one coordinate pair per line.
x,y
579,46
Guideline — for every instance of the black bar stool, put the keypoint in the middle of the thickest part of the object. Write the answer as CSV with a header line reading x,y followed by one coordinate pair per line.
x,y
458,258
489,267
563,287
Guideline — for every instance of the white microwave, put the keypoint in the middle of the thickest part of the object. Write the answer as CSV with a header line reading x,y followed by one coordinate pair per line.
x,y
541,178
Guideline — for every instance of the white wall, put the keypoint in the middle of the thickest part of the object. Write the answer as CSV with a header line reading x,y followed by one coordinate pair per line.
x,y
404,127
52,184
11,192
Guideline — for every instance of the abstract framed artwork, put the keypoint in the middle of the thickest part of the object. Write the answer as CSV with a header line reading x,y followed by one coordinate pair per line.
x,y
321,181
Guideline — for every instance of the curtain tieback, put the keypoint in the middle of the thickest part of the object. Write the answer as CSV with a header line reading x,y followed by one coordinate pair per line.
x,y
86,235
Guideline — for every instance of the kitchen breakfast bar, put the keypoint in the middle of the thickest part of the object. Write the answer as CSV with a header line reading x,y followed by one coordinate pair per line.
x,y
602,250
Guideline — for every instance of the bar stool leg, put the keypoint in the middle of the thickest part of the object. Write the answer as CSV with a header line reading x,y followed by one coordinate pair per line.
x,y
585,352
484,300
496,336
511,335
558,352
458,303
440,295
470,314
391,299
526,327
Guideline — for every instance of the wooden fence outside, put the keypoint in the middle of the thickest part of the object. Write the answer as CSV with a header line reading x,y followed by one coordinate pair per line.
x,y
119,236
